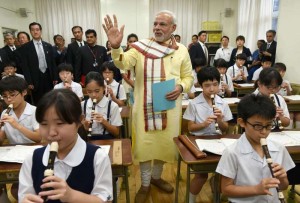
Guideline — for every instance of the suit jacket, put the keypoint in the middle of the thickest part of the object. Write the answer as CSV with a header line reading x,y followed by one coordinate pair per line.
x,y
10,53
30,63
196,51
60,57
271,50
72,55
85,60
3,60
233,55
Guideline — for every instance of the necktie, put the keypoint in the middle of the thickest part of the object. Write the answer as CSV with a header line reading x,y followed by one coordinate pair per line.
x,y
206,53
13,48
268,45
81,44
42,59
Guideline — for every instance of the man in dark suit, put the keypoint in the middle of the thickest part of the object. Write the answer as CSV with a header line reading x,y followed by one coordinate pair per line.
x,y
269,48
23,38
73,48
3,60
199,50
59,49
90,57
38,64
10,46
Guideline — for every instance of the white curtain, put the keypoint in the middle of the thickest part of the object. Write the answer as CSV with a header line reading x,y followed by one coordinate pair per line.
x,y
254,19
189,13
59,16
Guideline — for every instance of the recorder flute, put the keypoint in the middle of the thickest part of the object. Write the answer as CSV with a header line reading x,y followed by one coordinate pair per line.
x,y
278,121
222,82
264,146
93,111
9,108
212,97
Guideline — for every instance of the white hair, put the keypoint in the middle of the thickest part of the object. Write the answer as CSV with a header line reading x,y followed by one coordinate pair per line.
x,y
174,21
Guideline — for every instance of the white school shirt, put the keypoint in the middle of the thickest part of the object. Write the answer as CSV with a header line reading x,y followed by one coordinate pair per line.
x,y
282,104
195,77
256,73
16,74
114,116
75,87
228,82
283,92
241,163
186,96
237,71
198,110
102,169
114,86
224,53
27,119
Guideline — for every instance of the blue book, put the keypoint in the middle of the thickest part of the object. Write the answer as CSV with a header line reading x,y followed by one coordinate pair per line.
x,y
159,91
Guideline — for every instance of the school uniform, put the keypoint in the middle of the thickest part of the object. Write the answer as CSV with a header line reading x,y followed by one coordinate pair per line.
x,y
198,110
186,96
279,102
27,119
102,108
234,70
118,90
83,156
195,77
75,87
256,74
228,81
16,74
241,163
283,91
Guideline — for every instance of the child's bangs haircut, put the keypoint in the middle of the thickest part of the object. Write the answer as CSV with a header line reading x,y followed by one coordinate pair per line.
x,y
13,83
65,102
109,65
256,105
269,76
208,73
65,67
221,63
94,76
280,66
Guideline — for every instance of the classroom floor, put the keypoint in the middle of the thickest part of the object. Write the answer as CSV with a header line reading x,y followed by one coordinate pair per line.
x,y
156,196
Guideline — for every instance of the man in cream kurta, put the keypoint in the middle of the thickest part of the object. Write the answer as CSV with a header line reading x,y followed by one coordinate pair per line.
x,y
160,57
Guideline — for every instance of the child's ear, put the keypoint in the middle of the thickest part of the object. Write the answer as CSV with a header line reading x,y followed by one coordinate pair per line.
x,y
24,93
241,122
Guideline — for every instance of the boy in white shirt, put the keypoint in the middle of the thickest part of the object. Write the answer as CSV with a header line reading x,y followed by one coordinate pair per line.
x,y
238,72
266,62
65,72
10,69
226,85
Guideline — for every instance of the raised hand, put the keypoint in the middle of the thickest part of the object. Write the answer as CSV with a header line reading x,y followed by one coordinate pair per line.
x,y
112,31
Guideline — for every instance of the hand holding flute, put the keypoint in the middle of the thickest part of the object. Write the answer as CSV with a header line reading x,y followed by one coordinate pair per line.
x,y
9,108
212,97
91,121
278,121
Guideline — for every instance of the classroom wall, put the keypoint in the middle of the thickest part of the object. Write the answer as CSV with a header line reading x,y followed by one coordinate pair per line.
x,y
12,19
288,40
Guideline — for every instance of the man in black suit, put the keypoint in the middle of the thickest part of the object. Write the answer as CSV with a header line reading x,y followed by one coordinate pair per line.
x,y
38,64
3,60
269,48
199,50
59,49
90,57
10,46
73,48
23,38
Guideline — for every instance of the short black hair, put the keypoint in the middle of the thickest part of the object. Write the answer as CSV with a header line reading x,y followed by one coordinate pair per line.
x,y
268,76
208,73
220,63
108,65
225,37
201,32
195,36
256,105
240,37
65,67
65,102
177,36
10,63
241,56
280,66
25,33
132,35
271,31
76,26
89,31
55,36
94,76
266,58
262,41
198,62
35,23
13,83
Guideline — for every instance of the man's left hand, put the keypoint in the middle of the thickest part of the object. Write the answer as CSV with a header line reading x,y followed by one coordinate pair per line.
x,y
175,93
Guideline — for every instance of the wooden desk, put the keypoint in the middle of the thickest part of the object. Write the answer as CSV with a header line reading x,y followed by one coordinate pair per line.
x,y
125,114
241,90
208,164
9,172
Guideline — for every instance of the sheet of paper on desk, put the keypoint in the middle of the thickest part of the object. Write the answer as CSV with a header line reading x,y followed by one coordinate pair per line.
x,y
198,89
105,148
16,154
246,85
293,97
215,146
159,91
231,100
283,138
293,134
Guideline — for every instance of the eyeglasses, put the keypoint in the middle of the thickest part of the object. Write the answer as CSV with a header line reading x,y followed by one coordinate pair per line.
x,y
259,127
11,96
273,87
